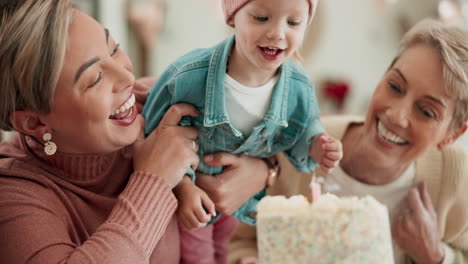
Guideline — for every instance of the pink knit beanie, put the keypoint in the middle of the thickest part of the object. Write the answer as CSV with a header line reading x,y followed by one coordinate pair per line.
x,y
230,8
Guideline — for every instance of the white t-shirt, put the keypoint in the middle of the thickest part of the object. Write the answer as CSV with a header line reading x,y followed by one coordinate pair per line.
x,y
340,183
246,106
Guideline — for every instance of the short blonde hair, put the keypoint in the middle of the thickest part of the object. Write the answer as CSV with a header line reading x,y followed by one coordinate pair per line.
x,y
451,43
33,41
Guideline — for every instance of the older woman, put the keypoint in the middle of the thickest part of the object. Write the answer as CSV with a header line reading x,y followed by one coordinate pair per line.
x,y
402,153
67,191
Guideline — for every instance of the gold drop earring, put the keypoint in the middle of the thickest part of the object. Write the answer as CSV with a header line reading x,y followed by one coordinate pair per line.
x,y
49,147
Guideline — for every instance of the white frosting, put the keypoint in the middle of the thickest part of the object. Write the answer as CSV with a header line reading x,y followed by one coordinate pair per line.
x,y
331,230
280,205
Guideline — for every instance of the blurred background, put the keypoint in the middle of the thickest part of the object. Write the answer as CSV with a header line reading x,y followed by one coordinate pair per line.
x,y
347,48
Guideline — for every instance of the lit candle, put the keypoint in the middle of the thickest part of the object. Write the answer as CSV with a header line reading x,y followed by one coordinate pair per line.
x,y
316,189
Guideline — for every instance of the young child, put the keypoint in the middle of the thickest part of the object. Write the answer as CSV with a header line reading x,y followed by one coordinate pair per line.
x,y
253,100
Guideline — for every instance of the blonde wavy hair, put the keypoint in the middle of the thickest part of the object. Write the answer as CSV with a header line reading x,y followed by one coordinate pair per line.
x,y
33,41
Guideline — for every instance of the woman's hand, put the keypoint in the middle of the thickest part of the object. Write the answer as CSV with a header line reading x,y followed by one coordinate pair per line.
x,y
170,149
242,178
414,228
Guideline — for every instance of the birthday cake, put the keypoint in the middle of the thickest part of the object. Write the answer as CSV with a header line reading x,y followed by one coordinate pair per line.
x,y
330,230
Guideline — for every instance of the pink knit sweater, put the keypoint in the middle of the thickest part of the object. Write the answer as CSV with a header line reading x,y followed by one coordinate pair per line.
x,y
82,208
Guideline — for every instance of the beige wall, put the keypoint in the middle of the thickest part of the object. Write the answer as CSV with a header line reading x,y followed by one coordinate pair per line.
x,y
189,24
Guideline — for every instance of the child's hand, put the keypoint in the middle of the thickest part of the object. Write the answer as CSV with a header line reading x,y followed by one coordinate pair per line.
x,y
326,151
190,212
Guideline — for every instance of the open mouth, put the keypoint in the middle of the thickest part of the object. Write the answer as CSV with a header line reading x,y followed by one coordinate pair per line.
x,y
271,51
389,136
125,110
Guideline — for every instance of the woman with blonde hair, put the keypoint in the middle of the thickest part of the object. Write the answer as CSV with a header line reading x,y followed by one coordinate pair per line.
x,y
78,184
402,152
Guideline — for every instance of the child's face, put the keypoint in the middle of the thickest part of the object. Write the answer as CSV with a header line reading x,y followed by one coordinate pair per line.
x,y
269,31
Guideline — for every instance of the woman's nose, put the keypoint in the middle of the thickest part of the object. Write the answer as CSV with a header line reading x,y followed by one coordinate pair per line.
x,y
398,115
122,77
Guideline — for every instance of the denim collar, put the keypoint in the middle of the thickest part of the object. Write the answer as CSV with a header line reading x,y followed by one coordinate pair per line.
x,y
215,105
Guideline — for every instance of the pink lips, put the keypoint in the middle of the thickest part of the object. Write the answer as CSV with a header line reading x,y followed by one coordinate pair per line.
x,y
270,56
129,119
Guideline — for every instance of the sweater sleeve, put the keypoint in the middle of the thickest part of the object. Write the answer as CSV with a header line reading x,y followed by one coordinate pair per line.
x,y
35,230
453,206
456,242
455,255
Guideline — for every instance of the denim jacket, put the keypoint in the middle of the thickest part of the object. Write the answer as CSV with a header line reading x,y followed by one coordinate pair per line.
x,y
197,78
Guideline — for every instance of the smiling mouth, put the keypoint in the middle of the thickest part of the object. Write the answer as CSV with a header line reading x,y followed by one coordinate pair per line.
x,y
271,51
125,110
389,136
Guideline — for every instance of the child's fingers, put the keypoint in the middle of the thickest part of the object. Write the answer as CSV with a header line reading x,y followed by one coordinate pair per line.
x,y
331,146
193,222
187,216
325,168
333,155
183,221
199,224
201,216
208,203
324,138
329,163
